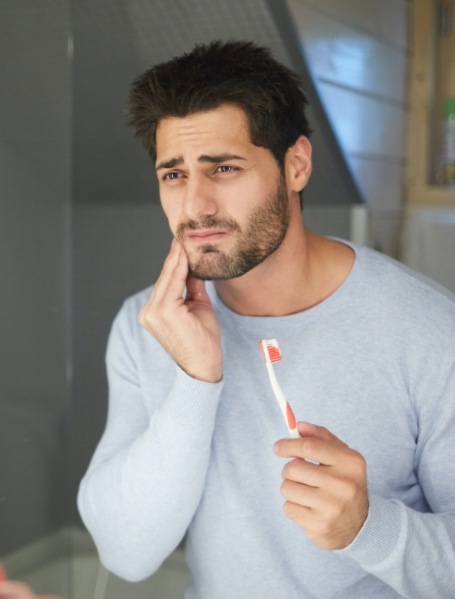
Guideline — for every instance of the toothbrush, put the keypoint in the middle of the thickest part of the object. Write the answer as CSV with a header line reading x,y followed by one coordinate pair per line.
x,y
272,353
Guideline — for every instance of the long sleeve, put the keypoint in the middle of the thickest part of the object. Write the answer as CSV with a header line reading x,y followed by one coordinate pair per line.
x,y
147,475
411,551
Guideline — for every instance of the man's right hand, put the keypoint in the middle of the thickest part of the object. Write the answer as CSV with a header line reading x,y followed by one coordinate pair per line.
x,y
186,327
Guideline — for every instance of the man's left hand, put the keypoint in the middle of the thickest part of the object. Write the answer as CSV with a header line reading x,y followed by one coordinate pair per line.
x,y
325,486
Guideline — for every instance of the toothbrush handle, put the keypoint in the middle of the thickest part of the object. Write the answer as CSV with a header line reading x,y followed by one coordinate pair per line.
x,y
286,409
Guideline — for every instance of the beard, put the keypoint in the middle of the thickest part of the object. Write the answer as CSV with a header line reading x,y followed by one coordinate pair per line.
x,y
263,234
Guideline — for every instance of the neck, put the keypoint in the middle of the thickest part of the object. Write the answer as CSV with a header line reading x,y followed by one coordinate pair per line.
x,y
300,274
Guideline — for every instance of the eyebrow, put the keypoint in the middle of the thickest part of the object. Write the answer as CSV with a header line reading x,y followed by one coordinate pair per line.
x,y
203,159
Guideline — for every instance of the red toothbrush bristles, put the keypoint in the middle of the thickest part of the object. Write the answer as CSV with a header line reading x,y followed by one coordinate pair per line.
x,y
272,349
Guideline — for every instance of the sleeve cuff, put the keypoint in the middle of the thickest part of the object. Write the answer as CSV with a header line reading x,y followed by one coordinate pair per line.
x,y
193,402
382,535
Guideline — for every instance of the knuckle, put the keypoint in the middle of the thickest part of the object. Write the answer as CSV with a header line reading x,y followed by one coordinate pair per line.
x,y
290,510
309,445
144,316
358,463
323,430
350,490
150,319
289,490
290,470
284,488
141,317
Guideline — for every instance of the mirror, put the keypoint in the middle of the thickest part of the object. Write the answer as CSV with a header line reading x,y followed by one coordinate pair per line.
x,y
80,229
35,177
78,213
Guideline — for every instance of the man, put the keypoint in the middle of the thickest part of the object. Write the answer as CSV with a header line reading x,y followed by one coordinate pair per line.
x,y
191,443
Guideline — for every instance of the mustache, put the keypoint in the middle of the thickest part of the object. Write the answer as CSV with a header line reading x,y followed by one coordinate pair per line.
x,y
209,222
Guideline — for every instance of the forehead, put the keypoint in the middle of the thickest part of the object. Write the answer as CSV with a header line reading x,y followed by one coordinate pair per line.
x,y
221,128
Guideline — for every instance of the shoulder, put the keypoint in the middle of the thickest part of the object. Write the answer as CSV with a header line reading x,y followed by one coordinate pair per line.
x,y
404,297
383,271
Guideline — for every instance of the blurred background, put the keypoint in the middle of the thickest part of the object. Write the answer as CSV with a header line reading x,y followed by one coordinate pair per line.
x,y
81,226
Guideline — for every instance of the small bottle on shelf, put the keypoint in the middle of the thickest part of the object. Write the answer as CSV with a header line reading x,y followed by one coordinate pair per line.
x,y
447,163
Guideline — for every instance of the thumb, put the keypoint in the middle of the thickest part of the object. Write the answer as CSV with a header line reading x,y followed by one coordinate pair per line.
x,y
307,429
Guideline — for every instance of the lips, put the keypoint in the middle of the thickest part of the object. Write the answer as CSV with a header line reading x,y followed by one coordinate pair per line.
x,y
206,235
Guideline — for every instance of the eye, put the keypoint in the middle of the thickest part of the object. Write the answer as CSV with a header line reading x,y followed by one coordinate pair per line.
x,y
172,176
226,168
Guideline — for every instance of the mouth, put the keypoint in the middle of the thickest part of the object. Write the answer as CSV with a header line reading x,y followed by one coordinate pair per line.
x,y
206,236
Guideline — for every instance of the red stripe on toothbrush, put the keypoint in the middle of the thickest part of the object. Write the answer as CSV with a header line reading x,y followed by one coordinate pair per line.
x,y
292,422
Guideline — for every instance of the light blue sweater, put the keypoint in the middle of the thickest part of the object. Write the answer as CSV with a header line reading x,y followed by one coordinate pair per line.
x,y
374,363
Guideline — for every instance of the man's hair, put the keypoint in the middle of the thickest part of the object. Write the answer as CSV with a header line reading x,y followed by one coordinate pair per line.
x,y
238,73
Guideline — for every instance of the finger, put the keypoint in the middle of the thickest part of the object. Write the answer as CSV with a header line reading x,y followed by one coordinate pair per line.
x,y
173,275
310,448
300,514
327,479
195,290
169,287
303,495
303,472
307,429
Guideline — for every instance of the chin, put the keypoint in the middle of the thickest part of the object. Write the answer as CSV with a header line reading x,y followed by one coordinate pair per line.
x,y
209,274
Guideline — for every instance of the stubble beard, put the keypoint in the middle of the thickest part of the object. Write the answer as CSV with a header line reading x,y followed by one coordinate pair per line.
x,y
264,233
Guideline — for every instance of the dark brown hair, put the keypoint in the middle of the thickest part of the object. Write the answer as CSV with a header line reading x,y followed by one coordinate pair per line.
x,y
239,73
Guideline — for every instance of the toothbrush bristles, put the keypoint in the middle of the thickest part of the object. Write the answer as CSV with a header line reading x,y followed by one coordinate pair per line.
x,y
272,349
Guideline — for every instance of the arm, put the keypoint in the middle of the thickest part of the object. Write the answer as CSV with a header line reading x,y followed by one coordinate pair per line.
x,y
147,476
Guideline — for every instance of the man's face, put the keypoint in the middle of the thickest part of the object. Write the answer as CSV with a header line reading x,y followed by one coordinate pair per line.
x,y
224,197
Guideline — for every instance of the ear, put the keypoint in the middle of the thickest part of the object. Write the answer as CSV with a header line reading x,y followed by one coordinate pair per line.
x,y
299,164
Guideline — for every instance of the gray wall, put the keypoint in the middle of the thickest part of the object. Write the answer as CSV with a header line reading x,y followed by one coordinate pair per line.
x,y
34,267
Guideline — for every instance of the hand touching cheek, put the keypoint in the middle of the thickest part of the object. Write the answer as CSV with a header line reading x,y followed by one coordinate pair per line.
x,y
186,327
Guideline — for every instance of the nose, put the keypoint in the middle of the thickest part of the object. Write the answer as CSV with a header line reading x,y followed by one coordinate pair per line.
x,y
199,199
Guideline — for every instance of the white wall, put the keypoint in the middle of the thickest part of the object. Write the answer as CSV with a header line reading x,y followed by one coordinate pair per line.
x,y
357,51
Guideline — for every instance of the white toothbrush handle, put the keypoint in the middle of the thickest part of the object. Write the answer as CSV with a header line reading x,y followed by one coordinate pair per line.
x,y
281,399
